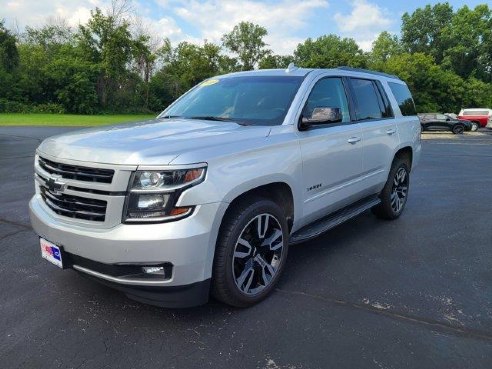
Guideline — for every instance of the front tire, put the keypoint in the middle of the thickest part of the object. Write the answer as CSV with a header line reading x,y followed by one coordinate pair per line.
x,y
474,126
251,251
395,192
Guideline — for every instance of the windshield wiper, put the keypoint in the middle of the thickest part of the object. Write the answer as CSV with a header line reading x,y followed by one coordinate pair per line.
x,y
170,116
211,117
218,119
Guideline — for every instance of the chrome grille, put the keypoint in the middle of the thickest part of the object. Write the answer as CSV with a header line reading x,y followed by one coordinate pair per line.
x,y
76,172
74,206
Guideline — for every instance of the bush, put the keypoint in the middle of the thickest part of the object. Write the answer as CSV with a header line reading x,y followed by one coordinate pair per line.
x,y
49,108
7,106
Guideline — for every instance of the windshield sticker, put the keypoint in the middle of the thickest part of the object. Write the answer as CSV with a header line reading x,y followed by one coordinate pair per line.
x,y
209,82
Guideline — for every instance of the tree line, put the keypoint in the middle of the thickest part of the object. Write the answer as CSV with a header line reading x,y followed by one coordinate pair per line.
x,y
111,65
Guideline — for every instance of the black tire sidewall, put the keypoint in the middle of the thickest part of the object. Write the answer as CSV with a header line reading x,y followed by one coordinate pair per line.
x,y
458,129
238,219
385,196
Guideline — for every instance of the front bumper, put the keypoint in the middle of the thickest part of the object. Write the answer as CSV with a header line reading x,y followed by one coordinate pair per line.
x,y
188,245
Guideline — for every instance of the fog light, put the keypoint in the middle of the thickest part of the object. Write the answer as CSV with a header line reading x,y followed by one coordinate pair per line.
x,y
154,270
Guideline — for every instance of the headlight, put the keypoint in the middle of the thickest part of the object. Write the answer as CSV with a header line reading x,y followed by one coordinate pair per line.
x,y
152,180
153,194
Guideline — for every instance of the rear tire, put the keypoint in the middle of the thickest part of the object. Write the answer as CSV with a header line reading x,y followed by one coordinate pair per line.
x,y
395,192
251,251
475,126
458,129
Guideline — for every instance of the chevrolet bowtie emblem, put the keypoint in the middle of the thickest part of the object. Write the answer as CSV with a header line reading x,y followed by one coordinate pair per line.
x,y
54,185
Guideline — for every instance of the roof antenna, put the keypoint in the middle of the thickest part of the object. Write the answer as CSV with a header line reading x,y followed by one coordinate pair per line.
x,y
292,67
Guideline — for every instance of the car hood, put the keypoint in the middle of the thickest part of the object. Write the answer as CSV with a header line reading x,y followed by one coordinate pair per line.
x,y
150,142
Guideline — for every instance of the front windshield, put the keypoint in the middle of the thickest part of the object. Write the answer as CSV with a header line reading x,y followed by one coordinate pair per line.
x,y
256,100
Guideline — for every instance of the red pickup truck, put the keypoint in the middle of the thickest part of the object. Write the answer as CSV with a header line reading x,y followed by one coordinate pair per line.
x,y
478,117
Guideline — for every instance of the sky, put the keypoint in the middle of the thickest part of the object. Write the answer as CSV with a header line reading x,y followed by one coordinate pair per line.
x,y
288,22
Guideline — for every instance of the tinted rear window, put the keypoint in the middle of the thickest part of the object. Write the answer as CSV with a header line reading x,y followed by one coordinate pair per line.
x,y
404,98
476,112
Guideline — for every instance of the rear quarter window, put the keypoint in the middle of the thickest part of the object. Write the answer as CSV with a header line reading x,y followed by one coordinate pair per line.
x,y
404,98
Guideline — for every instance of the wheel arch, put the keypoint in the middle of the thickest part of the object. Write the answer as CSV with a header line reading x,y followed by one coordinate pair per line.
x,y
405,152
279,192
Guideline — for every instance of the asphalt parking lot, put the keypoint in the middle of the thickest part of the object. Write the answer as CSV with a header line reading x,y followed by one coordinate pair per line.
x,y
413,293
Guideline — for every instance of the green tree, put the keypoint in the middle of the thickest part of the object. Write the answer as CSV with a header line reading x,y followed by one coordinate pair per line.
x,y
424,30
184,66
73,81
50,37
477,93
144,60
9,62
434,89
107,43
383,48
276,61
246,40
9,56
469,40
329,51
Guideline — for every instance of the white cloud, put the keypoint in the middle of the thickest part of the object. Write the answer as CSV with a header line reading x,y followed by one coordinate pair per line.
x,y
74,17
183,20
214,18
166,27
35,13
364,23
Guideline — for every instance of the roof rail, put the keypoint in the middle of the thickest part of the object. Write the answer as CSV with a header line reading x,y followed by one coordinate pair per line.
x,y
361,70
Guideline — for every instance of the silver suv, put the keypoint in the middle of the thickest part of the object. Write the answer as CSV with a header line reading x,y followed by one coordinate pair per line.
x,y
207,198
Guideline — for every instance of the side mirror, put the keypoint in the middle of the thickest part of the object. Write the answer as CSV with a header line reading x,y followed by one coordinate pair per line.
x,y
322,115
448,119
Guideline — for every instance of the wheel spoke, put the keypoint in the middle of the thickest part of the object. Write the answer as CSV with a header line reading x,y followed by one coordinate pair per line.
x,y
393,197
242,278
245,244
263,221
250,280
265,267
402,192
403,175
274,237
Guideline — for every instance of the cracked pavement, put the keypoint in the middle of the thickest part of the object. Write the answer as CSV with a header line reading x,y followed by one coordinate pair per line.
x,y
413,293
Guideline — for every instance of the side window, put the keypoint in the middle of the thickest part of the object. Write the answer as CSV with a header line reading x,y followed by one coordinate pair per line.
x,y
369,102
328,93
404,98
440,117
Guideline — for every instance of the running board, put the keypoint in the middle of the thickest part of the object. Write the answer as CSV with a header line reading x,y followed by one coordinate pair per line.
x,y
322,225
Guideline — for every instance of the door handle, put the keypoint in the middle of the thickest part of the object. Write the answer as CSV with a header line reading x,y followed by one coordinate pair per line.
x,y
391,131
353,140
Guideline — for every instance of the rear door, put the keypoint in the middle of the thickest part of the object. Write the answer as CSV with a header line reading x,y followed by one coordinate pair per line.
x,y
379,133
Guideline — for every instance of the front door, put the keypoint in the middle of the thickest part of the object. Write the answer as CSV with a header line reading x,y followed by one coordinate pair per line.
x,y
331,153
